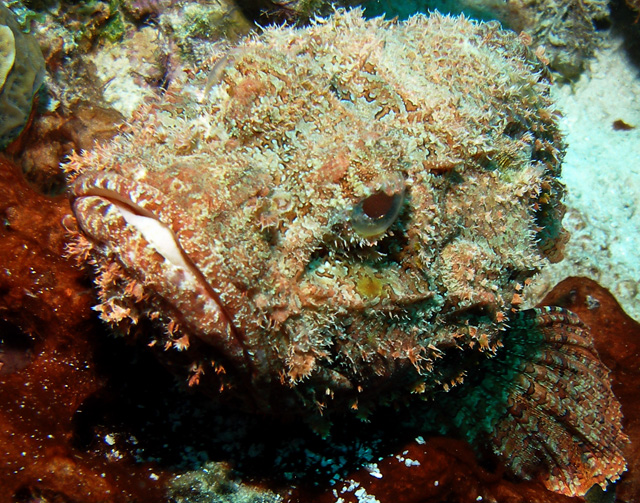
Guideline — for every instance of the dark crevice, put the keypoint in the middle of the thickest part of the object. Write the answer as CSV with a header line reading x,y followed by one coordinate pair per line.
x,y
16,348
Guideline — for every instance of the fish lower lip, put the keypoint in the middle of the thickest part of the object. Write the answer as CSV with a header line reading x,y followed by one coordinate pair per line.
x,y
158,234
151,253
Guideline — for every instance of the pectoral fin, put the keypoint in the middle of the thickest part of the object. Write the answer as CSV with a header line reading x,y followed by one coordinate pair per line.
x,y
545,403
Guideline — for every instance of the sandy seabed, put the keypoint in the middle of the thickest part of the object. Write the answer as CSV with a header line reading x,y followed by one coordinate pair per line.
x,y
601,171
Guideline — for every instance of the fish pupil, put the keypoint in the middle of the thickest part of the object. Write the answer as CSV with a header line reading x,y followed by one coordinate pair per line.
x,y
377,205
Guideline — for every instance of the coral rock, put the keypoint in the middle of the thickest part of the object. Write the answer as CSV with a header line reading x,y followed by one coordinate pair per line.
x,y
46,368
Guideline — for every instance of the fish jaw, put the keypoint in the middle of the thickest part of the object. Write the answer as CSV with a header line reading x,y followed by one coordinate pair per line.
x,y
139,234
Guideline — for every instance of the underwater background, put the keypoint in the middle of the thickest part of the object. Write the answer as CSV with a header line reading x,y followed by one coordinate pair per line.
x,y
88,418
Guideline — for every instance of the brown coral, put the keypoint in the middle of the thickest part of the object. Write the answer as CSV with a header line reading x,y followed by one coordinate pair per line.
x,y
46,367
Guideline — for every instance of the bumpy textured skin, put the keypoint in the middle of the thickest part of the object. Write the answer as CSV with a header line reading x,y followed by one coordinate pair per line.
x,y
20,78
279,167
566,29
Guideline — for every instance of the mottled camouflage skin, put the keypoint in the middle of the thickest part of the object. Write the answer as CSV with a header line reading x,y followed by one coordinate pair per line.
x,y
350,202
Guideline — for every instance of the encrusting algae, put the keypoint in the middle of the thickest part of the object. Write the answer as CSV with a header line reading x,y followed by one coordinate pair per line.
x,y
332,218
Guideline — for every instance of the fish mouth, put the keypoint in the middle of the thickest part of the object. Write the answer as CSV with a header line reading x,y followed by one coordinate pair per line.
x,y
137,224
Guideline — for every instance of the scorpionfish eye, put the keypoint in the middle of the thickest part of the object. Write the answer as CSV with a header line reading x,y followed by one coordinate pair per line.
x,y
373,215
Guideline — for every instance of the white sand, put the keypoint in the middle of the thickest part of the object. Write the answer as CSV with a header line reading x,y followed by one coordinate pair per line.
x,y
602,175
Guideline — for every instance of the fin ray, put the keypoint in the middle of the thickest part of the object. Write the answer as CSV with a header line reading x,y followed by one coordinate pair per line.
x,y
545,398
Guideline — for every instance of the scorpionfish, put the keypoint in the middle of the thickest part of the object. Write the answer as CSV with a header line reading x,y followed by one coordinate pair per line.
x,y
326,219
